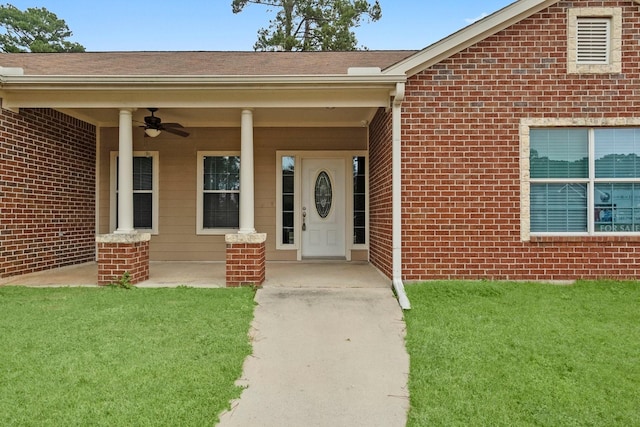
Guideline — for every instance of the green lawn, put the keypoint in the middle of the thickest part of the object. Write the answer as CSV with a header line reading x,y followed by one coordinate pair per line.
x,y
516,354
115,357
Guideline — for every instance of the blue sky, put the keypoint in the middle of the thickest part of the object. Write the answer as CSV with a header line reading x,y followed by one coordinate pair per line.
x,y
129,25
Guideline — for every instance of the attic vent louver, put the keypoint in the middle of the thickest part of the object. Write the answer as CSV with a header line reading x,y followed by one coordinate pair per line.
x,y
593,40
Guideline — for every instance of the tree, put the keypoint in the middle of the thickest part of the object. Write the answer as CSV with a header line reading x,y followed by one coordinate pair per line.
x,y
34,30
311,25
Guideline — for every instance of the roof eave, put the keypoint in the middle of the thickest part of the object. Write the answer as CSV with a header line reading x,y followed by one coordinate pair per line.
x,y
306,91
187,81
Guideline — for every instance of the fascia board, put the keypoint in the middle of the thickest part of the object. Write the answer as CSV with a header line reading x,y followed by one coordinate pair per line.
x,y
199,98
238,97
468,36
165,82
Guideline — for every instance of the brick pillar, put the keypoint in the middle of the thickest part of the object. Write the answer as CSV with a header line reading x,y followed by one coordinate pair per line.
x,y
245,259
123,253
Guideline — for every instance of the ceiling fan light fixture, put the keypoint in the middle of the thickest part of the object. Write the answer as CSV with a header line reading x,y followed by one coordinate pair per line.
x,y
152,132
153,126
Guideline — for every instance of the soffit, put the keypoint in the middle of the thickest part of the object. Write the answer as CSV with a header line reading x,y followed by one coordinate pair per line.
x,y
230,117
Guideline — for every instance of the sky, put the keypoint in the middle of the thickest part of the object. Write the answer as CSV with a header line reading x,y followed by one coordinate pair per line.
x,y
210,25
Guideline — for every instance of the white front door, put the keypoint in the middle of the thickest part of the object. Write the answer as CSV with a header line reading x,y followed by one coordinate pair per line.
x,y
323,208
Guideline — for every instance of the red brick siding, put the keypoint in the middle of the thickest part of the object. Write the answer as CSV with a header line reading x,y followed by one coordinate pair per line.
x,y
380,203
47,191
115,259
245,264
461,187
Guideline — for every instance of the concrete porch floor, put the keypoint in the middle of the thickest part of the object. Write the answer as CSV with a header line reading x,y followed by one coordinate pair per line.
x,y
305,274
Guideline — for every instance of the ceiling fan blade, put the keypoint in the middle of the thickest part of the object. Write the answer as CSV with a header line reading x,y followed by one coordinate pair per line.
x,y
176,131
171,125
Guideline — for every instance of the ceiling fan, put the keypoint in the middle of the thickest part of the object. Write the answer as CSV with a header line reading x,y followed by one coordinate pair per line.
x,y
153,126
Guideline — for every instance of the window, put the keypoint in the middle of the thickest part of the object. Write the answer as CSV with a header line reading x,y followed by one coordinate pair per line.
x,y
359,201
559,174
323,194
584,180
288,199
218,193
594,40
145,191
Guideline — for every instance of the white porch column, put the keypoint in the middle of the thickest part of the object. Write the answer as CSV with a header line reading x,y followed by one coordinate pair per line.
x,y
246,174
125,173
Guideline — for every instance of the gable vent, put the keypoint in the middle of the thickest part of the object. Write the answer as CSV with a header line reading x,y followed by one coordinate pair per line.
x,y
593,35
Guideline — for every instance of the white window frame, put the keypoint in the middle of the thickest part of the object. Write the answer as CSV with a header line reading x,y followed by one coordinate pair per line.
x,y
612,15
350,195
296,201
200,230
298,156
155,193
525,169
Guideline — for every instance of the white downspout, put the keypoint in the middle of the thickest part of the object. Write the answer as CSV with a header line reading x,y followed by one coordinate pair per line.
x,y
97,187
396,172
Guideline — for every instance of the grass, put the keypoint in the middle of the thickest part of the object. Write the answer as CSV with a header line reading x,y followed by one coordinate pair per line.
x,y
105,356
515,354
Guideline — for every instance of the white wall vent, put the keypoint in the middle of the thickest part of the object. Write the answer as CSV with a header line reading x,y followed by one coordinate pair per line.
x,y
593,40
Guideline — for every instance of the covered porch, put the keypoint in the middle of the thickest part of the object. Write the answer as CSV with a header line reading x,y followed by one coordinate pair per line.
x,y
311,274
294,161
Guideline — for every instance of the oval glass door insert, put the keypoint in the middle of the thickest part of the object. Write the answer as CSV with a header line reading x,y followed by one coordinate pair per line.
x,y
323,194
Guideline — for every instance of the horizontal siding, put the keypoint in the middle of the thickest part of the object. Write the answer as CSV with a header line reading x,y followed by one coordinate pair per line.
x,y
359,255
177,239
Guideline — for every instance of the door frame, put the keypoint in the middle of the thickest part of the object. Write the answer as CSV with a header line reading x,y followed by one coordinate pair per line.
x,y
298,156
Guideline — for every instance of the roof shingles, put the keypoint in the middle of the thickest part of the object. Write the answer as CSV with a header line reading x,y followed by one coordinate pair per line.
x,y
199,63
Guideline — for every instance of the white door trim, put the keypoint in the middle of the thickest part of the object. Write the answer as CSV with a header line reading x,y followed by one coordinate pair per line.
x,y
298,155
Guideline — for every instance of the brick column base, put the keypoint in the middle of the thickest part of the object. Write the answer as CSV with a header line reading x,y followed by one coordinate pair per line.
x,y
245,259
123,253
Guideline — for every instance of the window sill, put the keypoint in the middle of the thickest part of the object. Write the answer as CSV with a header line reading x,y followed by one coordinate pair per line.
x,y
152,232
290,247
590,239
594,69
215,231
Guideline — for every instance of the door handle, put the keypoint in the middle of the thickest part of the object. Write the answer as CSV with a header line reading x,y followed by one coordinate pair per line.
x,y
304,218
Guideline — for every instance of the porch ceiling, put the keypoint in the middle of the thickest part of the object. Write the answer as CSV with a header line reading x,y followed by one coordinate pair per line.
x,y
230,117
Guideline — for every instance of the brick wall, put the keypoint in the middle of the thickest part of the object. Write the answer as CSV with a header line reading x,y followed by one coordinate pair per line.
x,y
380,203
461,187
47,191
245,264
245,259
115,258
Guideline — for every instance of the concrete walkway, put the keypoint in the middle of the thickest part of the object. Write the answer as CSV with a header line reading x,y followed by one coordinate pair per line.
x,y
324,357
328,341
